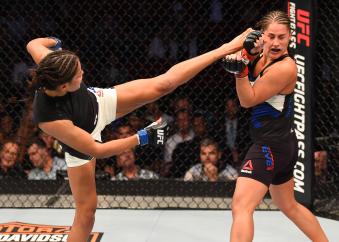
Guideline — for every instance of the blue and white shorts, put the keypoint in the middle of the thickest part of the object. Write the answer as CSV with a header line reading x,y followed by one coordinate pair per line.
x,y
107,109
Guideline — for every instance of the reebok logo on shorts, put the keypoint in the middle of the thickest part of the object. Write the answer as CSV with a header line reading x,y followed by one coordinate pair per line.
x,y
248,167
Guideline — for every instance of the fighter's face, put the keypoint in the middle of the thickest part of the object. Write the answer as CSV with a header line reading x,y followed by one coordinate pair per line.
x,y
276,38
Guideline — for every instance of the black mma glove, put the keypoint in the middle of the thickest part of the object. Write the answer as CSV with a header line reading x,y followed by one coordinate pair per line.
x,y
156,133
57,45
237,67
249,42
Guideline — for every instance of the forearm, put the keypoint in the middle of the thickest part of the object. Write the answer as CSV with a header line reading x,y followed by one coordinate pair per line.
x,y
245,92
115,147
39,48
184,71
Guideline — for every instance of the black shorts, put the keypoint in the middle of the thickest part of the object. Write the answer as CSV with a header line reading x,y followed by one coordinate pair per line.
x,y
270,163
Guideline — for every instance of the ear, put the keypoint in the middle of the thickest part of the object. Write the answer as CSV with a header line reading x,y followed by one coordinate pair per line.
x,y
63,86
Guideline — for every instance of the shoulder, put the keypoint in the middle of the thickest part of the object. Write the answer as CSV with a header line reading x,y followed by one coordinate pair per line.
x,y
284,71
287,71
289,63
286,66
39,99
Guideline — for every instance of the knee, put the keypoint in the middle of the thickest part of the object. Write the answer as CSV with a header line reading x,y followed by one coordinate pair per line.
x,y
86,213
288,208
239,208
89,212
86,217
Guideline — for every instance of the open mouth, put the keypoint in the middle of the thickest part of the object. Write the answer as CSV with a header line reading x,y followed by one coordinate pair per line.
x,y
275,50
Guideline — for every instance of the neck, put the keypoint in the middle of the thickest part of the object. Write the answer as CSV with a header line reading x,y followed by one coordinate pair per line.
x,y
55,93
267,59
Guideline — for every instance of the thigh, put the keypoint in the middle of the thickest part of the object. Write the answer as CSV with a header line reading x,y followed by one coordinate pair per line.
x,y
82,182
248,193
134,94
286,157
283,194
107,104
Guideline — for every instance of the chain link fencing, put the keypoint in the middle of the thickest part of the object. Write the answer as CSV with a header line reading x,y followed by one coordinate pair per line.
x,y
118,41
326,112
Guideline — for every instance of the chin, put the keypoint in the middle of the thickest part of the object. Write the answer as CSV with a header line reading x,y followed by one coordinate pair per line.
x,y
275,55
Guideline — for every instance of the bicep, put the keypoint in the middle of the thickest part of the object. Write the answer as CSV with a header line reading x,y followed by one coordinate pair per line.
x,y
37,50
69,134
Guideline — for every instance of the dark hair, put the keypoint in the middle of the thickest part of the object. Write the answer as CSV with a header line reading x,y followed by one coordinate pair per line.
x,y
39,142
55,69
199,114
277,16
7,141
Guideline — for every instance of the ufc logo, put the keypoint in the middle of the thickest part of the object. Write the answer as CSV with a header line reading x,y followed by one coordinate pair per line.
x,y
160,136
303,22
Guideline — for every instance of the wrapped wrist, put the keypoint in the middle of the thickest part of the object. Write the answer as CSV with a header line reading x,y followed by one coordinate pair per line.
x,y
242,74
142,137
57,45
246,55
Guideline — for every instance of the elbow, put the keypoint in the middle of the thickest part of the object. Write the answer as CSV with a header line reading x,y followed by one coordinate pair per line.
x,y
167,83
31,49
245,104
32,44
101,151
29,46
100,155
97,152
